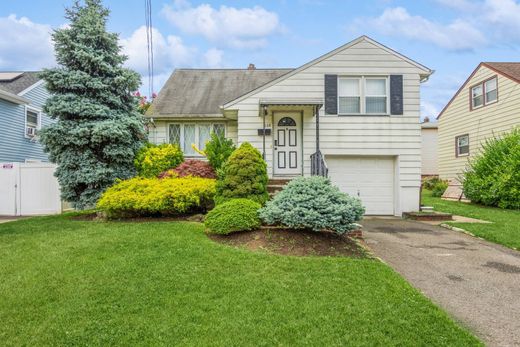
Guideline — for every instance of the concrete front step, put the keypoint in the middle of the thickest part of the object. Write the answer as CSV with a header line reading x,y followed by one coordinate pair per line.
x,y
275,185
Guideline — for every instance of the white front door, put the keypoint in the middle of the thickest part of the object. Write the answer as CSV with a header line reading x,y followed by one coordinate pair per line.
x,y
287,143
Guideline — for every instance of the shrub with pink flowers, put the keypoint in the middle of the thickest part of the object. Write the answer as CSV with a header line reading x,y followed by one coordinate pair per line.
x,y
143,102
191,167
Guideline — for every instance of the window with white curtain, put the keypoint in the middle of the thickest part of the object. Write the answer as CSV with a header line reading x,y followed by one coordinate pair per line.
x,y
375,95
349,93
363,95
185,135
484,93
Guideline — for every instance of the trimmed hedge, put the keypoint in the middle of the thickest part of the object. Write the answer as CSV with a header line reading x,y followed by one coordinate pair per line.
x,y
232,216
493,177
243,176
151,160
157,197
191,167
313,203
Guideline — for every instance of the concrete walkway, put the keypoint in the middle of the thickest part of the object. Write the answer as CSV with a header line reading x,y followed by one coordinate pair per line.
x,y
476,281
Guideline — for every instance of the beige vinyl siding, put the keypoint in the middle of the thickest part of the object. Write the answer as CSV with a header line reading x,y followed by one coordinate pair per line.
x,y
480,124
429,152
159,134
398,135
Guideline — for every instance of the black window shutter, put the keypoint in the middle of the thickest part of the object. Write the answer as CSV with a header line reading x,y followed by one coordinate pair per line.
x,y
331,94
396,94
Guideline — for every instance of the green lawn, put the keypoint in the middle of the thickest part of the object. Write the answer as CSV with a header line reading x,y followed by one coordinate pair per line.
x,y
69,282
506,223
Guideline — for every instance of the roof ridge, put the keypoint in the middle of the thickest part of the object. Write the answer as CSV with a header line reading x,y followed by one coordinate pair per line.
x,y
234,69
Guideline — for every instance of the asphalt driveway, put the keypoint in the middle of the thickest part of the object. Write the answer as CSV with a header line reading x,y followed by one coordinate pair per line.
x,y
476,281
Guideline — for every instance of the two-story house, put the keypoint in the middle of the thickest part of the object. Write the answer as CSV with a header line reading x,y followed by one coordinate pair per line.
x,y
486,105
351,114
22,96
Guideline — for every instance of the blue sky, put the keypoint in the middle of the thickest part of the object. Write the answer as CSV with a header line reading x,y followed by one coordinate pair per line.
x,y
449,36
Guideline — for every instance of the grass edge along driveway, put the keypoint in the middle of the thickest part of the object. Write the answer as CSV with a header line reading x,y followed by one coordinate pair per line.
x,y
505,227
67,282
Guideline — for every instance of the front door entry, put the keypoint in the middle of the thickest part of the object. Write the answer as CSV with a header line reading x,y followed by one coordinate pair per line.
x,y
287,144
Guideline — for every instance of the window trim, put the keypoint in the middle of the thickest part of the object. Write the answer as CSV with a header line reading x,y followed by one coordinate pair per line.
x,y
363,94
484,101
39,122
457,148
196,140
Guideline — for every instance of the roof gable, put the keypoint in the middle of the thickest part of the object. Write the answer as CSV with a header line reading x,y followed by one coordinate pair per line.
x,y
426,71
508,70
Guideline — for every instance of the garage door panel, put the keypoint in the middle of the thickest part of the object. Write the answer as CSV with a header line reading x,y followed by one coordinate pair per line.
x,y
369,178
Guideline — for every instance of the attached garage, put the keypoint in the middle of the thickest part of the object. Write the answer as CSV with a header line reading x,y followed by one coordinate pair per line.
x,y
372,179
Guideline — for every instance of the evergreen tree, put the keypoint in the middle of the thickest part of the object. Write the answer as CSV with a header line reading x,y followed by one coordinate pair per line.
x,y
98,129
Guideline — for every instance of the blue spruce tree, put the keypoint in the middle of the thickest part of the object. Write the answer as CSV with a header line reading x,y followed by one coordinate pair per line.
x,y
98,129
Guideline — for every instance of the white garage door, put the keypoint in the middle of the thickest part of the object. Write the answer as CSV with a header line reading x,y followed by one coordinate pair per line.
x,y
369,178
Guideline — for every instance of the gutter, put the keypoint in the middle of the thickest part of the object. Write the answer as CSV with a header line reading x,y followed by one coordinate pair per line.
x,y
13,98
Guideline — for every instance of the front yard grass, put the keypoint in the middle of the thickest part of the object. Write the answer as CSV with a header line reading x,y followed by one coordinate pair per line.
x,y
70,282
505,229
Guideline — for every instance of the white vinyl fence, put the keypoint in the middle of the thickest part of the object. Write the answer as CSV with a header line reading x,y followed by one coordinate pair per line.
x,y
29,189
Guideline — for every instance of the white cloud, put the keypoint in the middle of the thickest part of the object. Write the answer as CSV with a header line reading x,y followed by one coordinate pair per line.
x,y
429,110
168,51
213,57
225,26
504,17
25,45
457,36
499,19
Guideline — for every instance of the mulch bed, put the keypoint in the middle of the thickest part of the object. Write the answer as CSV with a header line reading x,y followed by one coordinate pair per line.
x,y
294,242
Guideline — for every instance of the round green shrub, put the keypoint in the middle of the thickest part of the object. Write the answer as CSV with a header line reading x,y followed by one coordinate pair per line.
x,y
152,159
232,216
313,203
243,176
493,177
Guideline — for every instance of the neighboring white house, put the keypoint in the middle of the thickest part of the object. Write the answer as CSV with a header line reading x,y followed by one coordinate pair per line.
x,y
429,154
352,113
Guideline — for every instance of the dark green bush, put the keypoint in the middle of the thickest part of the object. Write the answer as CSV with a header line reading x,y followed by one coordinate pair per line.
x,y
232,216
244,175
218,149
438,188
493,177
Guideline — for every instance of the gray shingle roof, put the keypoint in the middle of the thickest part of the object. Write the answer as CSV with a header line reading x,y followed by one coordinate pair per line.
x,y
203,91
20,83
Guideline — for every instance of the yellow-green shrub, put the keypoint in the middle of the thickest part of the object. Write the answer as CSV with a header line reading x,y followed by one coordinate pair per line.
x,y
157,197
152,159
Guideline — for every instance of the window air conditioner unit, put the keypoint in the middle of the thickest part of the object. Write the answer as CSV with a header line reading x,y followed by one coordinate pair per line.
x,y
29,131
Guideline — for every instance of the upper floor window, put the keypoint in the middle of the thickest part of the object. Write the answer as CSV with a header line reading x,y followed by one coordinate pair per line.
x,y
484,93
187,134
32,121
363,95
462,145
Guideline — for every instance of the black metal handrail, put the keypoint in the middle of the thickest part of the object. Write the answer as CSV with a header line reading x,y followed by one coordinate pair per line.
x,y
318,165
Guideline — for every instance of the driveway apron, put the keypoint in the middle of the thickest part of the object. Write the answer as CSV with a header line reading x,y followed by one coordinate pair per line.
x,y
476,281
